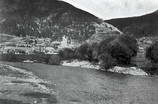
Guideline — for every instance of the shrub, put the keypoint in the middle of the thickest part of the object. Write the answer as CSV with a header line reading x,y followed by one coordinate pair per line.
x,y
12,57
40,57
151,68
131,43
8,57
103,45
121,48
152,52
152,55
54,59
106,61
67,53
84,52
94,48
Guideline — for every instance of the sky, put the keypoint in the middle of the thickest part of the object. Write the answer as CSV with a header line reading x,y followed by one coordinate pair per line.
x,y
109,9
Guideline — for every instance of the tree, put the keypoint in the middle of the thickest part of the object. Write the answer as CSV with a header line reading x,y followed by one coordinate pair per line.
x,y
152,52
121,48
84,52
152,55
106,61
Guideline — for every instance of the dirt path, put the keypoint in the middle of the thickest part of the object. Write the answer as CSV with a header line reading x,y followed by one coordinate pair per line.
x,y
87,86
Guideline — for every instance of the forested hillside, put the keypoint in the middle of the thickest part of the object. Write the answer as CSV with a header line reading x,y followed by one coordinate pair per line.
x,y
146,25
45,18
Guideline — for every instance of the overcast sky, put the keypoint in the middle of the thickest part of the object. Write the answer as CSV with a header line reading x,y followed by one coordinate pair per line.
x,y
108,9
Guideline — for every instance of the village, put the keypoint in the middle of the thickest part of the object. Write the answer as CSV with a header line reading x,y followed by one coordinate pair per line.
x,y
33,45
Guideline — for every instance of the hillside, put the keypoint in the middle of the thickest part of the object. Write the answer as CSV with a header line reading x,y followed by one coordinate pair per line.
x,y
146,25
45,18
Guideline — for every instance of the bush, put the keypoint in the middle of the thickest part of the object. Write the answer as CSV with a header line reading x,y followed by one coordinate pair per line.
x,y
84,52
152,55
12,57
38,57
54,59
103,45
121,48
67,53
131,43
94,48
106,61
41,58
8,57
151,68
152,52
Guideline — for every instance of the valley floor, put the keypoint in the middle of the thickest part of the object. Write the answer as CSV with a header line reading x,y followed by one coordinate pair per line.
x,y
74,85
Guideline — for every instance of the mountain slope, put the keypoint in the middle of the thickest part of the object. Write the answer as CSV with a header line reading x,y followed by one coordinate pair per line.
x,y
45,18
146,25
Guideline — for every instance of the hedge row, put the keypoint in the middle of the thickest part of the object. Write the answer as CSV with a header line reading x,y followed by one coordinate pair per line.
x,y
21,57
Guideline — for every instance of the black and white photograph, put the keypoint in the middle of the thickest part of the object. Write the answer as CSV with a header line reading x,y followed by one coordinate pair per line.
x,y
78,51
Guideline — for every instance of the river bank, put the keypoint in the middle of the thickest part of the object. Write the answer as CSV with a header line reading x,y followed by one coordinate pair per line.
x,y
18,86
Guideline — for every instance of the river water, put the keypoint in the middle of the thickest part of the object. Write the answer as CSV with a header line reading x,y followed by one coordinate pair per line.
x,y
84,86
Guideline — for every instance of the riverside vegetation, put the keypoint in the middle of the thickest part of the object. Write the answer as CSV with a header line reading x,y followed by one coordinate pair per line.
x,y
113,51
55,19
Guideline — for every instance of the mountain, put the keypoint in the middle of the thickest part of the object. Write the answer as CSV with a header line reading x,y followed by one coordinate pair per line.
x,y
46,18
146,25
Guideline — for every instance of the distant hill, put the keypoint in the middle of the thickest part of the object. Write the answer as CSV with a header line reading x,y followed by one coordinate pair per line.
x,y
146,25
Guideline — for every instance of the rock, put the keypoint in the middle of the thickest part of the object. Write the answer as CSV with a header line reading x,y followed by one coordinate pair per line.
x,y
128,70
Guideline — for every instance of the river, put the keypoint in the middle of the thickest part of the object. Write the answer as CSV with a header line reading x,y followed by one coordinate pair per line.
x,y
88,86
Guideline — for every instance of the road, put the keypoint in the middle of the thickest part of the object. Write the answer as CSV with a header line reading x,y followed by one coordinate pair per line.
x,y
89,86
